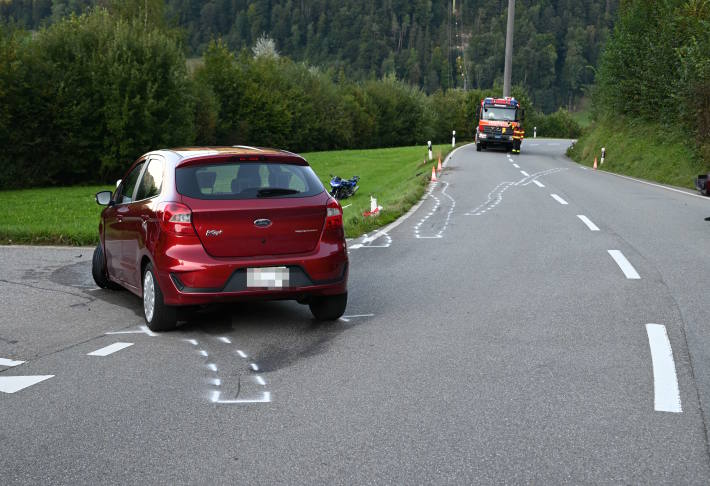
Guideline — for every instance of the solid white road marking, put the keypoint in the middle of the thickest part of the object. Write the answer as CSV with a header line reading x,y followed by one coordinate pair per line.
x,y
525,173
624,264
110,349
538,183
559,199
655,185
225,339
666,396
12,384
588,222
10,363
359,315
265,398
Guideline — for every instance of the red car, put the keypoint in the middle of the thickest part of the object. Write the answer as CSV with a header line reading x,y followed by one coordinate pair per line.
x,y
195,226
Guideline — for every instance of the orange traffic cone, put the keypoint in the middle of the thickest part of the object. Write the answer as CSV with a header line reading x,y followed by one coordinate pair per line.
x,y
438,169
433,174
595,164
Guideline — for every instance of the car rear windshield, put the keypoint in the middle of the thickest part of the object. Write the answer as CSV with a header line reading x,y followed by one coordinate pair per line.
x,y
247,180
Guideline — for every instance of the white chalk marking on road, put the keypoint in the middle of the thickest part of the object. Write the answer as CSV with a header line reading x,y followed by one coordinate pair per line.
x,y
12,384
216,382
344,319
254,366
259,380
211,366
666,396
356,246
265,398
9,362
538,183
588,222
525,173
225,339
359,315
242,354
203,353
191,341
141,330
559,199
516,166
624,264
110,349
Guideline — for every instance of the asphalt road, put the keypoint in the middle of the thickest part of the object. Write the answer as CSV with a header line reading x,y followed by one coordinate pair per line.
x,y
491,337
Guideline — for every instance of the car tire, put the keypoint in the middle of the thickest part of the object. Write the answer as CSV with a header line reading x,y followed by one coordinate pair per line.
x,y
158,316
98,270
478,147
328,308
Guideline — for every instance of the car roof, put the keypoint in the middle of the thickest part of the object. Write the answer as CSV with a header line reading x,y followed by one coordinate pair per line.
x,y
189,155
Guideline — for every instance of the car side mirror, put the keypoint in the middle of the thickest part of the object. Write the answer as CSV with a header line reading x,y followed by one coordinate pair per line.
x,y
118,182
103,198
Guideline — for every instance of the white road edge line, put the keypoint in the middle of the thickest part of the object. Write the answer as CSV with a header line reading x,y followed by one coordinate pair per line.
x,y
10,363
559,199
588,222
654,185
624,264
538,183
110,349
666,396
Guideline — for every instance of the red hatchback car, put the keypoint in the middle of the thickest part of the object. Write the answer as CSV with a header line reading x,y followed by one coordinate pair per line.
x,y
194,226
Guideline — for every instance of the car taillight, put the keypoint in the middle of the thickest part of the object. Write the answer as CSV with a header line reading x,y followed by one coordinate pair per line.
x,y
177,218
333,221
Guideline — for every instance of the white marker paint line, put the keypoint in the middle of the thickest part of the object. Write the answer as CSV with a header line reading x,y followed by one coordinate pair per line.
x,y
242,354
588,222
12,384
211,366
10,363
265,398
260,380
344,319
216,382
666,396
624,264
141,330
203,353
225,339
538,183
516,166
254,366
345,207
525,173
559,199
191,341
110,349
360,315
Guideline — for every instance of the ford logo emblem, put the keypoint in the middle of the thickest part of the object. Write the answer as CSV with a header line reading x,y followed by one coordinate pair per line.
x,y
262,223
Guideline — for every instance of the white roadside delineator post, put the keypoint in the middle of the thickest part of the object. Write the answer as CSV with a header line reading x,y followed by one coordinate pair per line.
x,y
431,155
534,132
603,154
453,139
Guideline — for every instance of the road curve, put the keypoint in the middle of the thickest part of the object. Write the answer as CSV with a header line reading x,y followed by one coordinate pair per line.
x,y
532,321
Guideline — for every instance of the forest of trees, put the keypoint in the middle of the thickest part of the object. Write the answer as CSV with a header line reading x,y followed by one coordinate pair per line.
x,y
426,43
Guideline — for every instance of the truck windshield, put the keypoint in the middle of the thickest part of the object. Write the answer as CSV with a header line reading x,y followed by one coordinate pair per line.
x,y
499,114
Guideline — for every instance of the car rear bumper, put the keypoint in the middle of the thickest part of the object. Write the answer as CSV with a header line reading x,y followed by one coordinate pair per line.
x,y
189,276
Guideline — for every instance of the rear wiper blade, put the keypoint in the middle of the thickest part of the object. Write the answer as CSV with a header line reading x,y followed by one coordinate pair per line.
x,y
275,191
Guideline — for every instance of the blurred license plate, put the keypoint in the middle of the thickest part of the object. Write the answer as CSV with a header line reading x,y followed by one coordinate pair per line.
x,y
269,277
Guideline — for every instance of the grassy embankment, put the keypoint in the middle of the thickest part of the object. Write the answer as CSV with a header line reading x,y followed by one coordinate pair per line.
x,y
643,150
69,215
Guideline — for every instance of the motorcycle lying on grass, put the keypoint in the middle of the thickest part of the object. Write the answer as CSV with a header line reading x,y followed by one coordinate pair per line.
x,y
343,188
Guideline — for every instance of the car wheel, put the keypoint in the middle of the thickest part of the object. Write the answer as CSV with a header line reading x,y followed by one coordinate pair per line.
x,y
478,147
158,316
98,270
328,308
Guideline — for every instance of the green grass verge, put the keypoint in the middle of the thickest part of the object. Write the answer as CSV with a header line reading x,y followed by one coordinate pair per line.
x,y
397,177
643,150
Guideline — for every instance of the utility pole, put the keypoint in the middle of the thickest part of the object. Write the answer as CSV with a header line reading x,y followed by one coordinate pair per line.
x,y
507,74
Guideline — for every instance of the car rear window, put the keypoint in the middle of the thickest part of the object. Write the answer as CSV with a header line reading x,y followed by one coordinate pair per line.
x,y
247,180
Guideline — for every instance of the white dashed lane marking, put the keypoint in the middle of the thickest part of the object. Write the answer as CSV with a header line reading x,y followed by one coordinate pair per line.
x,y
110,349
525,173
624,264
559,199
538,183
9,362
666,396
588,222
12,384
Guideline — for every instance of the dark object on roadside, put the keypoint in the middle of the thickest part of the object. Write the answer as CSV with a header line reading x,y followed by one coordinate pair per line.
x,y
702,184
343,188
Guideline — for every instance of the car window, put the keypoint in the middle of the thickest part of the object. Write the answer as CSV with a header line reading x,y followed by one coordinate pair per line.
x,y
129,184
249,180
152,180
